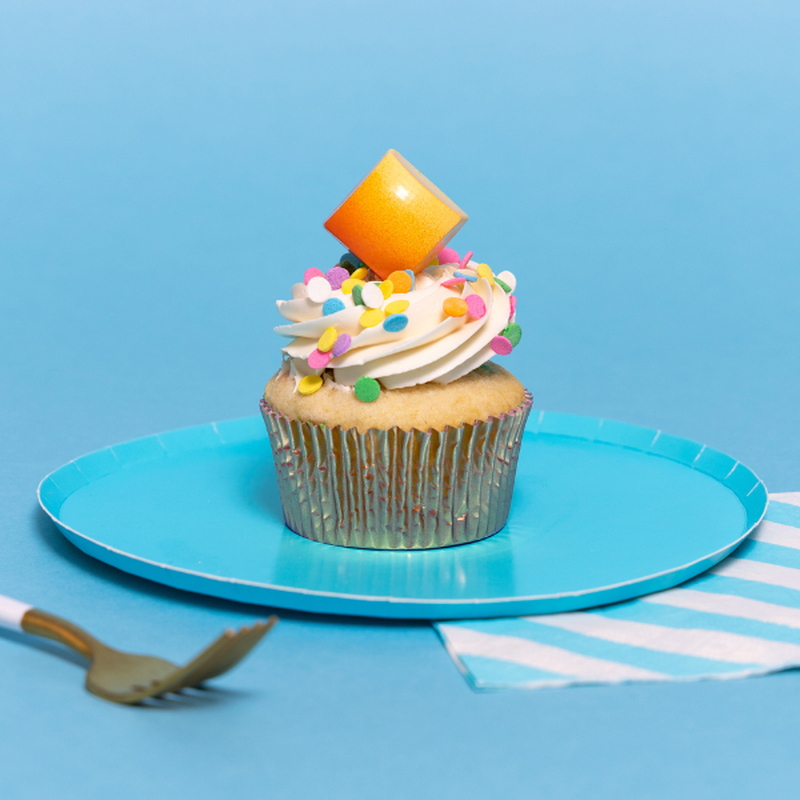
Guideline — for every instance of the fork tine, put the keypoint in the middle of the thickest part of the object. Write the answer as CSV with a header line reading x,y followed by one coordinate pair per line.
x,y
222,655
238,649
224,659
193,673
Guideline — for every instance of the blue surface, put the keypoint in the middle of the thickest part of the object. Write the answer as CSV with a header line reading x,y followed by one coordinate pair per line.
x,y
166,169
593,521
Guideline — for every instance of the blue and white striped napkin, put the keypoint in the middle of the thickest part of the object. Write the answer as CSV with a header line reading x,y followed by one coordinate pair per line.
x,y
739,619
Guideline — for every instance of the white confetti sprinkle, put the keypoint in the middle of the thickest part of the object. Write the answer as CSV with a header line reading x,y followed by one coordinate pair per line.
x,y
372,296
508,279
319,290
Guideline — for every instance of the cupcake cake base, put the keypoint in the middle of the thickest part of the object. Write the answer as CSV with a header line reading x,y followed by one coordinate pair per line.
x,y
392,488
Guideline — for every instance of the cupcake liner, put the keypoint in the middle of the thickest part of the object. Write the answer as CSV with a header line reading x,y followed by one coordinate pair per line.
x,y
395,489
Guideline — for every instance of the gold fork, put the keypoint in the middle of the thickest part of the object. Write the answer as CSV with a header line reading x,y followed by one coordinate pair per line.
x,y
127,678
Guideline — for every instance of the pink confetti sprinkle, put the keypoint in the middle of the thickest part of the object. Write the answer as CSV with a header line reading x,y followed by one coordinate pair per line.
x,y
465,260
513,301
476,308
312,272
451,282
448,256
500,345
341,345
337,276
319,360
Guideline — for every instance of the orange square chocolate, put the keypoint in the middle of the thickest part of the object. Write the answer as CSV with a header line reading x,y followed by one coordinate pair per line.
x,y
396,219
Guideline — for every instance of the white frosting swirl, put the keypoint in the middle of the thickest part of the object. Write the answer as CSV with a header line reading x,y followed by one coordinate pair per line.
x,y
433,347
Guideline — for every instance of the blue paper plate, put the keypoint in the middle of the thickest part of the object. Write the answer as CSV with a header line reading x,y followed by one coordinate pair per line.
x,y
602,512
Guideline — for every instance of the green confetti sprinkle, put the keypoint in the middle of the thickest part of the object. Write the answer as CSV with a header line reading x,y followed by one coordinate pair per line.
x,y
357,296
367,389
513,333
503,285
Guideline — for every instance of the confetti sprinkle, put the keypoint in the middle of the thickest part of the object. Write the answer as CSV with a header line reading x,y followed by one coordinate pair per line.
x,y
387,288
465,276
508,278
319,290
452,283
331,306
513,303
341,345
503,285
327,340
372,295
501,345
454,307
371,318
396,307
464,261
357,299
347,286
368,390
395,323
412,276
318,360
336,276
360,274
513,333
476,308
449,256
309,384
351,262
485,271
312,272
401,281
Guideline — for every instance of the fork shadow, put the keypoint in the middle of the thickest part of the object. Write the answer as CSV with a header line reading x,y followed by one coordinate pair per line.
x,y
197,697
45,646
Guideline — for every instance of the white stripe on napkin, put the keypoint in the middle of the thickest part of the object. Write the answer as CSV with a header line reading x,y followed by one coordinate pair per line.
x,y
792,498
466,642
718,645
759,572
776,533
728,605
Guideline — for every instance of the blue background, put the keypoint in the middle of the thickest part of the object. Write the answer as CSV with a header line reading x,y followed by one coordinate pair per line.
x,y
165,169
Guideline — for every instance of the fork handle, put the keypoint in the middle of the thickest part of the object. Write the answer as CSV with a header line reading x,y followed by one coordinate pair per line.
x,y
19,616
11,613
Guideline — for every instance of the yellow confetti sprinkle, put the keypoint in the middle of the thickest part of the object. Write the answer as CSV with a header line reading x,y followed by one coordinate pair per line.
x,y
327,340
371,318
347,285
397,307
387,287
485,271
360,274
309,384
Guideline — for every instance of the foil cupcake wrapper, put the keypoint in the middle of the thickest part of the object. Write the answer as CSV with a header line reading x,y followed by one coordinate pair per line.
x,y
394,489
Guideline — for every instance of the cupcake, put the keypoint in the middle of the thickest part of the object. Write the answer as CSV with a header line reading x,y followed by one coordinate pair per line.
x,y
390,425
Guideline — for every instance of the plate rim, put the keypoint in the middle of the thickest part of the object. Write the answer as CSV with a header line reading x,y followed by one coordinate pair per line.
x,y
546,423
